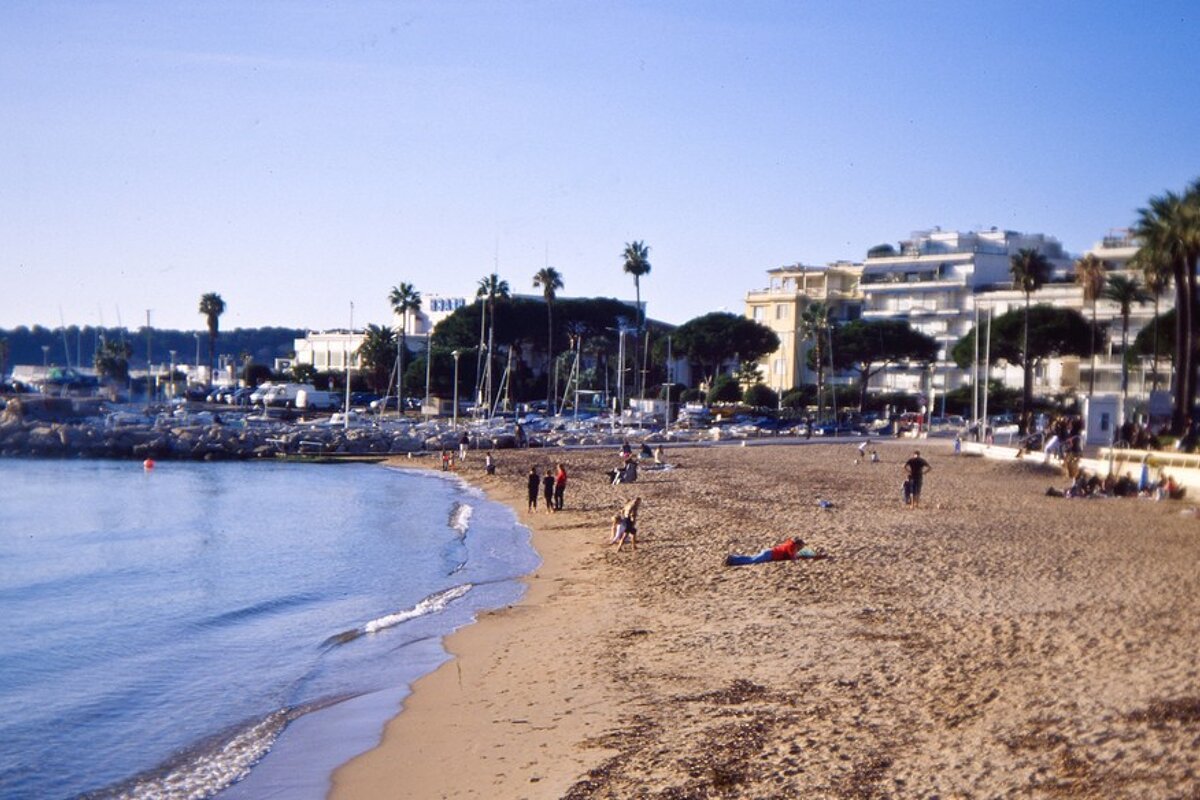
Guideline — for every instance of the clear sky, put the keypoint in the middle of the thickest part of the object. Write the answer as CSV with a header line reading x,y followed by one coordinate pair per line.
x,y
298,156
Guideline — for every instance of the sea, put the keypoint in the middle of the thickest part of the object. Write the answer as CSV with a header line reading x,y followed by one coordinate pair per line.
x,y
227,630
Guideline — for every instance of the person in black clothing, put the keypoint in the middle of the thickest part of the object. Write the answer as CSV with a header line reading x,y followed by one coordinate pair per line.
x,y
534,484
915,469
548,491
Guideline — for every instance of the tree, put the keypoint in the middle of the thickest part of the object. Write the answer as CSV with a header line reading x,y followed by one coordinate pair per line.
x,y
212,307
637,264
1090,273
881,251
1053,332
1156,275
377,354
1170,227
1156,337
724,389
304,373
112,359
869,346
403,299
550,281
761,396
814,325
490,289
715,338
1030,270
1125,291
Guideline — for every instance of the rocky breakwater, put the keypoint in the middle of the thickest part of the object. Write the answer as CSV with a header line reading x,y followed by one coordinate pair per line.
x,y
198,438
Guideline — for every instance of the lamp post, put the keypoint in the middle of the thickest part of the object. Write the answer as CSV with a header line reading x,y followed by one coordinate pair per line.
x,y
45,356
171,375
196,336
454,418
428,364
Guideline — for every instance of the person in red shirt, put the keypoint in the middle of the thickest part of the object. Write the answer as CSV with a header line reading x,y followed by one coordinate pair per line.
x,y
788,551
560,486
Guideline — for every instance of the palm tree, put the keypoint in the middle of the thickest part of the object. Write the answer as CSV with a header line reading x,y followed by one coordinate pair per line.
x,y
1125,290
550,281
403,298
814,321
1170,228
377,349
637,264
490,289
1030,270
212,307
1156,276
1090,272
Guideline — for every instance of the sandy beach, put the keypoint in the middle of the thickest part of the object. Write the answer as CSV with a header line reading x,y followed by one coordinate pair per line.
x,y
994,643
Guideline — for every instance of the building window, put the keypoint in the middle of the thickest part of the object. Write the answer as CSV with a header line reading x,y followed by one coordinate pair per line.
x,y
781,312
759,313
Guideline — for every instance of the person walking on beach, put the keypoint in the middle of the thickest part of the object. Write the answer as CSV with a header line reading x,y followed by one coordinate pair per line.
x,y
560,486
489,463
915,469
548,491
464,443
535,482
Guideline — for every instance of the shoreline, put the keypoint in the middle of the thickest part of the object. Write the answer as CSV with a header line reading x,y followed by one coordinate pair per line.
x,y
993,640
443,714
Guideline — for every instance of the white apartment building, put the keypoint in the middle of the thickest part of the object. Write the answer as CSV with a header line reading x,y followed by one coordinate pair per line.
x,y
938,281
934,280
330,350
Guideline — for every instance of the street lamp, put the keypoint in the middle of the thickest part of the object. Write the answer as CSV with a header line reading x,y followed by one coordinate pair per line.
x,y
171,374
196,336
45,355
454,418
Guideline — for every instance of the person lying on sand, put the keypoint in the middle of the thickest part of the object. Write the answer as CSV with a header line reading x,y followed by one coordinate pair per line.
x,y
790,550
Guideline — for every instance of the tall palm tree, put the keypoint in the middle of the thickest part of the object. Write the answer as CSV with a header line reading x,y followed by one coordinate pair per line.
x,y
1030,270
212,307
490,289
1156,277
637,264
550,281
377,349
1125,290
1090,272
1170,227
404,299
814,321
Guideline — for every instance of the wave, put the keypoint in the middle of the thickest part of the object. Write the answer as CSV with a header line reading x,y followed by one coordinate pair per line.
x,y
460,517
258,609
208,768
430,605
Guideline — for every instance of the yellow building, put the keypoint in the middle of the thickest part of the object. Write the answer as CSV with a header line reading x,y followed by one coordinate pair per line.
x,y
779,306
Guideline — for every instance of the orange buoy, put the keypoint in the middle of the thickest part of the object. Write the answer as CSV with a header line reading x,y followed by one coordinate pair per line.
x,y
148,463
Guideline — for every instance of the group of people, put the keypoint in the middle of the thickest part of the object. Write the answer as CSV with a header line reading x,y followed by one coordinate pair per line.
x,y
1089,484
552,487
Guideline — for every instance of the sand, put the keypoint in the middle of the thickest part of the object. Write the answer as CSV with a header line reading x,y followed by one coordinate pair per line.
x,y
995,642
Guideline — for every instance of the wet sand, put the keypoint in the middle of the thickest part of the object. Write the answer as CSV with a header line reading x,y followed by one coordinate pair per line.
x,y
995,642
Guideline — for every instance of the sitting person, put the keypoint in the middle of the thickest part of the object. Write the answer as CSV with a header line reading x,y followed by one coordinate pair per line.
x,y
626,473
790,550
645,451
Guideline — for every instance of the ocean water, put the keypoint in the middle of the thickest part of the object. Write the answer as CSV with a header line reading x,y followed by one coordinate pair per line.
x,y
226,629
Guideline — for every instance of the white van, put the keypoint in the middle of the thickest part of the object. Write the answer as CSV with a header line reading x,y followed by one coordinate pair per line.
x,y
316,400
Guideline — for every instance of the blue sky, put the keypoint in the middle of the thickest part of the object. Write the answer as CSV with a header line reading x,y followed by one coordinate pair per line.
x,y
299,156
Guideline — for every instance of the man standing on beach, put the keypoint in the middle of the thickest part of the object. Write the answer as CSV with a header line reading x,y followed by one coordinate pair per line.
x,y
915,469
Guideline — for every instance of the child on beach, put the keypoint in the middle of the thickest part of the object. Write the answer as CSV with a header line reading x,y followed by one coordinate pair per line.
x,y
624,525
489,463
